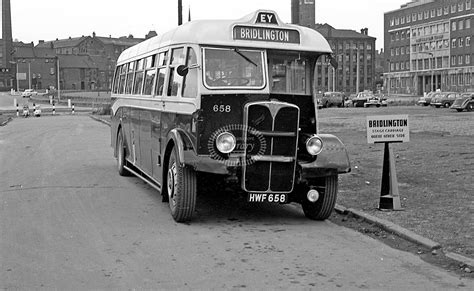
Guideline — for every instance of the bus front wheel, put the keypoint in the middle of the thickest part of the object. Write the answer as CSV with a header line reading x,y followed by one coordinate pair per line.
x,y
322,208
181,189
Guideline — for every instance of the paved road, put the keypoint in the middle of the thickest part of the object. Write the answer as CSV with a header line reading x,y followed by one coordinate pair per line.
x,y
69,221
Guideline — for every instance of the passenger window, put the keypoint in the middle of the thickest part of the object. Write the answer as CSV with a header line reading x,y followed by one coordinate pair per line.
x,y
175,80
138,83
129,83
149,75
190,81
160,74
123,77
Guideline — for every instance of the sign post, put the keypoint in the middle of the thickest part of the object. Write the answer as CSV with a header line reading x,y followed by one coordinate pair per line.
x,y
388,129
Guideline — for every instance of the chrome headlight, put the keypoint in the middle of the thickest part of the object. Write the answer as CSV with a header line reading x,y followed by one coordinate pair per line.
x,y
225,142
314,145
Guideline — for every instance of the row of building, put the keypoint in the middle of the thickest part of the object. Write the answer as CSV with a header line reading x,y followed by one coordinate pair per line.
x,y
83,63
428,47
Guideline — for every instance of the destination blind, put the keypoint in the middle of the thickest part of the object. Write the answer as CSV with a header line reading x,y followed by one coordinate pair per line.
x,y
266,34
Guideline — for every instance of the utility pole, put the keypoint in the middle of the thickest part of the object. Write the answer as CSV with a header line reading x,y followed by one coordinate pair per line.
x,y
180,12
358,73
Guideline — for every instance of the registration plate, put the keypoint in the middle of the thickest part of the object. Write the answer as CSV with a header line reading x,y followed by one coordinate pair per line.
x,y
267,197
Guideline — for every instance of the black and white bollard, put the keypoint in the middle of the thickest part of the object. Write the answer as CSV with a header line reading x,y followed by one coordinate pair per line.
x,y
54,109
72,112
17,111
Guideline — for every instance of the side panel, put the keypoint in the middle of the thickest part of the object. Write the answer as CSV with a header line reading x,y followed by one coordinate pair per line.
x,y
156,156
134,137
145,141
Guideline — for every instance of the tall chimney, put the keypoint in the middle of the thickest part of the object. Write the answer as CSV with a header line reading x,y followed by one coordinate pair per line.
x,y
7,34
295,11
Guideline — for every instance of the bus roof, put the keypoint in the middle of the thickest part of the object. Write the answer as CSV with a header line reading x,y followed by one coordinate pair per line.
x,y
260,29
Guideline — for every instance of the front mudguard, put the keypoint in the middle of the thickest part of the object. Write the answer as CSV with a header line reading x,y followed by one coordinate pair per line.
x,y
332,160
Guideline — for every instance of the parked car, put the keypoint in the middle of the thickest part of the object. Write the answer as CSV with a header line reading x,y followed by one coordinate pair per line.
x,y
426,100
465,101
444,99
332,99
362,98
27,93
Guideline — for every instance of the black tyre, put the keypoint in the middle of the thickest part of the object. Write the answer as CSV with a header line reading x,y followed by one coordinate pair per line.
x,y
322,208
181,189
121,162
459,110
470,107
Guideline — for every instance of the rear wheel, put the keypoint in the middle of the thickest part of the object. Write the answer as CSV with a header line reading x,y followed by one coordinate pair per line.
x,y
322,208
470,107
121,162
181,189
459,110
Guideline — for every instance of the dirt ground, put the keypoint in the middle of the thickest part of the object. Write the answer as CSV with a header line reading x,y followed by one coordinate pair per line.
x,y
435,171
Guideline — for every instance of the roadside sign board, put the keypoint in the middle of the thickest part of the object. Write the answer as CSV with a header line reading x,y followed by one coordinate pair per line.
x,y
388,128
21,76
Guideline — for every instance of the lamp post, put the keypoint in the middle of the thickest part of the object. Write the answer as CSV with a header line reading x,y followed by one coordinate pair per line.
x,y
16,75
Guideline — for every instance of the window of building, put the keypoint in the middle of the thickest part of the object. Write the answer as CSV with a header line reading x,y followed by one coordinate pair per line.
x,y
413,32
461,42
461,24
392,52
453,43
468,23
397,66
420,15
439,62
453,26
402,50
402,20
392,22
468,41
446,27
407,65
413,48
420,64
433,13
408,18
468,59
397,51
446,43
397,36
402,35
427,14
460,58
402,66
420,31
413,17
453,60
446,10
468,4
453,8
460,7
434,29
369,46
439,44
440,11
408,34
392,65
440,28
397,21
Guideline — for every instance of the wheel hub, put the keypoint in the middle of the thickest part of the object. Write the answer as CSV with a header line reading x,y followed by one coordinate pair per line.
x,y
171,183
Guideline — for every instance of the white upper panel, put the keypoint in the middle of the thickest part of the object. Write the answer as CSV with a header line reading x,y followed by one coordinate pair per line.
x,y
261,29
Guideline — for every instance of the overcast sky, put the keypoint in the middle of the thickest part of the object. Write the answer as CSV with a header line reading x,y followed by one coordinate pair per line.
x,y
34,20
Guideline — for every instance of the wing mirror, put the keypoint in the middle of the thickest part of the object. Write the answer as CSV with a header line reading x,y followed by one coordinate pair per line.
x,y
182,70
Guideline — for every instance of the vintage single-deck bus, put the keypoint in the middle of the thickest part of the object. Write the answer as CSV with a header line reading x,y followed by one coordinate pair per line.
x,y
234,99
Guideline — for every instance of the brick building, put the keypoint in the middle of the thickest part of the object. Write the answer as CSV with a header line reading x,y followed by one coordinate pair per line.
x,y
355,53
428,47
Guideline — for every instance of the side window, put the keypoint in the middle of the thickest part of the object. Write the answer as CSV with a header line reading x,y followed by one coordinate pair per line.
x,y
161,73
190,81
175,80
116,80
138,80
150,71
130,73
123,77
